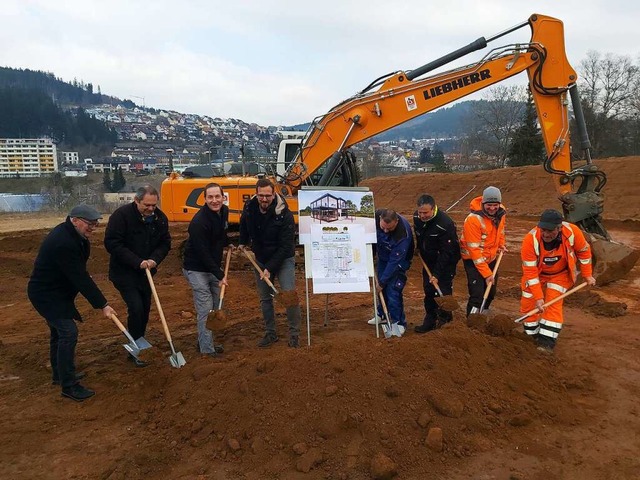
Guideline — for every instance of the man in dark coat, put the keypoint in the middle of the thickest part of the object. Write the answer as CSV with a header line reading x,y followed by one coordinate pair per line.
x,y
202,263
137,237
59,274
267,225
439,247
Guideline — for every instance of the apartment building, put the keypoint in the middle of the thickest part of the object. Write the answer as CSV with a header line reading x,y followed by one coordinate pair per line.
x,y
27,157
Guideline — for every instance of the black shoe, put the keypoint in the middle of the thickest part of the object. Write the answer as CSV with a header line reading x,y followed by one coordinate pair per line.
x,y
294,342
422,329
79,376
137,362
268,340
77,392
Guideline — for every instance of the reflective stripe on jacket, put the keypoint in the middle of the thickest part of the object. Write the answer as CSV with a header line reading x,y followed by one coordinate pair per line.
x,y
482,235
578,253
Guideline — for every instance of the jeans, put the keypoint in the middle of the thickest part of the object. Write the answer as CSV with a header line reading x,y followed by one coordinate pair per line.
x,y
286,276
477,285
62,347
137,297
206,296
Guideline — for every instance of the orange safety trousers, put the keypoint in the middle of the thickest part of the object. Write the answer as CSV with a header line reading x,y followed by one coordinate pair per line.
x,y
549,322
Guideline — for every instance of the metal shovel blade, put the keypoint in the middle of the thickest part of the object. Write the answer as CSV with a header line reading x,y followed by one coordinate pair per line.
x,y
386,329
177,360
132,349
143,343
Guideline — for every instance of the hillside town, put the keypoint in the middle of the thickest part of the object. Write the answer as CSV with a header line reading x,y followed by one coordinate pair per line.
x,y
156,141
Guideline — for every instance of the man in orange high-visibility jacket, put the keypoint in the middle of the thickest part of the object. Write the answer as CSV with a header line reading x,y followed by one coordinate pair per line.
x,y
552,254
482,238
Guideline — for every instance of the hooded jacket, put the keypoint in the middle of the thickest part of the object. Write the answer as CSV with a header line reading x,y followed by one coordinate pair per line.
x,y
271,234
207,239
482,235
60,273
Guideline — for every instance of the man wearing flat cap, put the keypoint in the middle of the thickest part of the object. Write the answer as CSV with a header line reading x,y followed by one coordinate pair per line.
x,y
59,274
552,255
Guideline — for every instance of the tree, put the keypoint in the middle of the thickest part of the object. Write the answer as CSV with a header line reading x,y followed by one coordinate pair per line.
x,y
366,206
425,156
118,180
526,146
437,159
494,121
106,180
610,102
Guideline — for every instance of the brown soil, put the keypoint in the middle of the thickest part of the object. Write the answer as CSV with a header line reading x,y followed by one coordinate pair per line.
x,y
456,403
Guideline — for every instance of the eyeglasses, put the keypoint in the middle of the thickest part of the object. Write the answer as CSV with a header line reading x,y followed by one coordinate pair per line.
x,y
89,223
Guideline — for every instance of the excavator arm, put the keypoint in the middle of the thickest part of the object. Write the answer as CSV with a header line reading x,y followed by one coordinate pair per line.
x,y
401,96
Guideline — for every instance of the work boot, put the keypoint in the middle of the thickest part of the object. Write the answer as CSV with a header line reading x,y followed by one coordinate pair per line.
x,y
268,340
79,376
294,342
423,329
217,348
137,362
375,320
77,392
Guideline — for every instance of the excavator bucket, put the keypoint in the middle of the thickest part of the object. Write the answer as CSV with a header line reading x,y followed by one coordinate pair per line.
x,y
612,260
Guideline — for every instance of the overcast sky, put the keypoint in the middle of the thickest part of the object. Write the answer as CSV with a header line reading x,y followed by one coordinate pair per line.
x,y
276,62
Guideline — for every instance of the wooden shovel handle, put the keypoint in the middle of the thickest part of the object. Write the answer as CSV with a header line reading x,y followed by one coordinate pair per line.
x,y
495,270
122,328
551,302
226,270
429,273
165,327
257,267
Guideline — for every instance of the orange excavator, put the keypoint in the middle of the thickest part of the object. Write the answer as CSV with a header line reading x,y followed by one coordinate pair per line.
x,y
324,158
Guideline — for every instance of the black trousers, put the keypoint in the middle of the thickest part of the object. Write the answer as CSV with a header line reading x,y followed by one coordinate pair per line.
x,y
62,350
137,296
434,315
477,285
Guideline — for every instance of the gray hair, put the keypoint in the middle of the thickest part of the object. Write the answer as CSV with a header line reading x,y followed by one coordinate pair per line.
x,y
146,190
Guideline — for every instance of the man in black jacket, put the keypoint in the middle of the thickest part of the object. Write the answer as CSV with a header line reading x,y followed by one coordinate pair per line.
x,y
202,262
439,248
267,224
59,274
137,237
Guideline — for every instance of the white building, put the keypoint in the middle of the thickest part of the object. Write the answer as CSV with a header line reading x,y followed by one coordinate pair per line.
x,y
69,158
27,157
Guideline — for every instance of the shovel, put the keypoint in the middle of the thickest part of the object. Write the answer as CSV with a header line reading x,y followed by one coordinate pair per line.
x,y
488,289
389,329
550,302
446,303
176,358
132,347
288,299
219,315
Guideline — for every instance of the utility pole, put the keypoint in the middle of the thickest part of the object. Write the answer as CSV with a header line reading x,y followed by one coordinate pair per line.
x,y
170,152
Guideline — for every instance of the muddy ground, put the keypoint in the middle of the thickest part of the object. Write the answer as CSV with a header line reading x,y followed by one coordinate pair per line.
x,y
457,403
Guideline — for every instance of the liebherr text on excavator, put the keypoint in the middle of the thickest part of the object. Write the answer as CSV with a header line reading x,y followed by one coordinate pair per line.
x,y
324,158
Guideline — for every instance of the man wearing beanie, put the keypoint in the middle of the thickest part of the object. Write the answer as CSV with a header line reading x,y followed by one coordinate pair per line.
x,y
481,241
552,254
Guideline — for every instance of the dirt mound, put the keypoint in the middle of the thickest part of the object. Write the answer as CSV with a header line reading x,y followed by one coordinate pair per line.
x,y
455,403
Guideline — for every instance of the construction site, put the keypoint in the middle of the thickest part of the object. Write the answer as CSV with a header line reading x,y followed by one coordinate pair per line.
x,y
461,402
